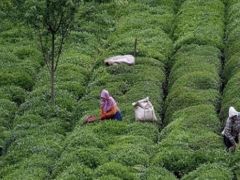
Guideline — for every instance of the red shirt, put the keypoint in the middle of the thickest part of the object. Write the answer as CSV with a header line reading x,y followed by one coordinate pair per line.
x,y
109,114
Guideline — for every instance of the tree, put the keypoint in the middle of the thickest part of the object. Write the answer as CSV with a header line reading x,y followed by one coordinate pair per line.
x,y
52,21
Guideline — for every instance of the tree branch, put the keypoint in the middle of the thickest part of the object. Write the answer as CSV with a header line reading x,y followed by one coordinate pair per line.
x,y
60,22
43,50
59,51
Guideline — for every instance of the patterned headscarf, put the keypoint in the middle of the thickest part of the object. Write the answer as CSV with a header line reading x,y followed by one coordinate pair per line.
x,y
107,101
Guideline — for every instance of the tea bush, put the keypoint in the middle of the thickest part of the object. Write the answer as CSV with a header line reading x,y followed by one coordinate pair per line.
x,y
117,170
200,22
120,142
231,70
193,92
76,171
210,171
40,128
155,172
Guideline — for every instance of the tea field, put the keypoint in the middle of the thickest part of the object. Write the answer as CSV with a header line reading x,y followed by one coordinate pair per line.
x,y
187,63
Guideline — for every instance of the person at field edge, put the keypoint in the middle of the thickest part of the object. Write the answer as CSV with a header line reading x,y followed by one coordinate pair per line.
x,y
108,107
232,130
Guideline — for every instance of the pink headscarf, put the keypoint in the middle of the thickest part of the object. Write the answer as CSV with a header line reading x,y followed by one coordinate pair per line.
x,y
108,102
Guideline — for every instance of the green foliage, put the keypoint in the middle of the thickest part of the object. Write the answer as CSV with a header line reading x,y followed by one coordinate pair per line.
x,y
210,171
231,95
149,43
144,129
40,129
232,30
13,93
84,137
232,66
157,173
231,71
48,145
200,22
193,118
40,136
27,173
33,167
185,97
195,54
89,157
180,150
128,155
117,170
127,84
160,15
16,77
76,171
121,141
7,113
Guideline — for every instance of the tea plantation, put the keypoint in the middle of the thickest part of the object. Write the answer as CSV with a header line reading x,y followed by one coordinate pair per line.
x,y
187,63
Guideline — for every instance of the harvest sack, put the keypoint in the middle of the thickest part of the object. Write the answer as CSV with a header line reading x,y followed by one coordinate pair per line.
x,y
144,110
125,59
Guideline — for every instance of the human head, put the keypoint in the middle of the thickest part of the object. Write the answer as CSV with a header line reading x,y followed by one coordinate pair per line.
x,y
232,113
104,94
107,101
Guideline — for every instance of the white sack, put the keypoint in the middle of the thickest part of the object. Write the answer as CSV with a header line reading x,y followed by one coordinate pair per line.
x,y
125,59
144,110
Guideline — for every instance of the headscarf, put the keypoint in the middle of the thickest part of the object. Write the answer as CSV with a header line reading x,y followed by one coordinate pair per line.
x,y
232,112
108,102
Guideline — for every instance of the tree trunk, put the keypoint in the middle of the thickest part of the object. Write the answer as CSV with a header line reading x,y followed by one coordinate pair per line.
x,y
52,79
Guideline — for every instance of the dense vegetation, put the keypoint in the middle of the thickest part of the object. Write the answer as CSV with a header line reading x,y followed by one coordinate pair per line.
x,y
187,63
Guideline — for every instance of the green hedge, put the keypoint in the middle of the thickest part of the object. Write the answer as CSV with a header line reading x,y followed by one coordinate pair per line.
x,y
150,43
155,173
13,93
180,150
128,145
193,92
28,124
232,30
34,167
231,94
76,171
194,79
231,70
194,57
200,22
160,15
7,113
210,171
89,157
117,170
40,128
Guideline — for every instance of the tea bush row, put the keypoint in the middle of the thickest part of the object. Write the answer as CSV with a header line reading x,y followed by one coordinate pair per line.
x,y
39,127
191,137
122,150
19,64
231,94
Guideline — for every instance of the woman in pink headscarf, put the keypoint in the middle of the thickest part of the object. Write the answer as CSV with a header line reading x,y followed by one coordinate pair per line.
x,y
108,107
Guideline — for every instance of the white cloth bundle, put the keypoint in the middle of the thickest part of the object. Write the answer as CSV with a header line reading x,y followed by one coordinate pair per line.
x,y
144,110
125,59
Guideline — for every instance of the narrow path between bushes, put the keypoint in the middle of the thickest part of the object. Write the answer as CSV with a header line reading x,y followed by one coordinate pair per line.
x,y
168,68
223,61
